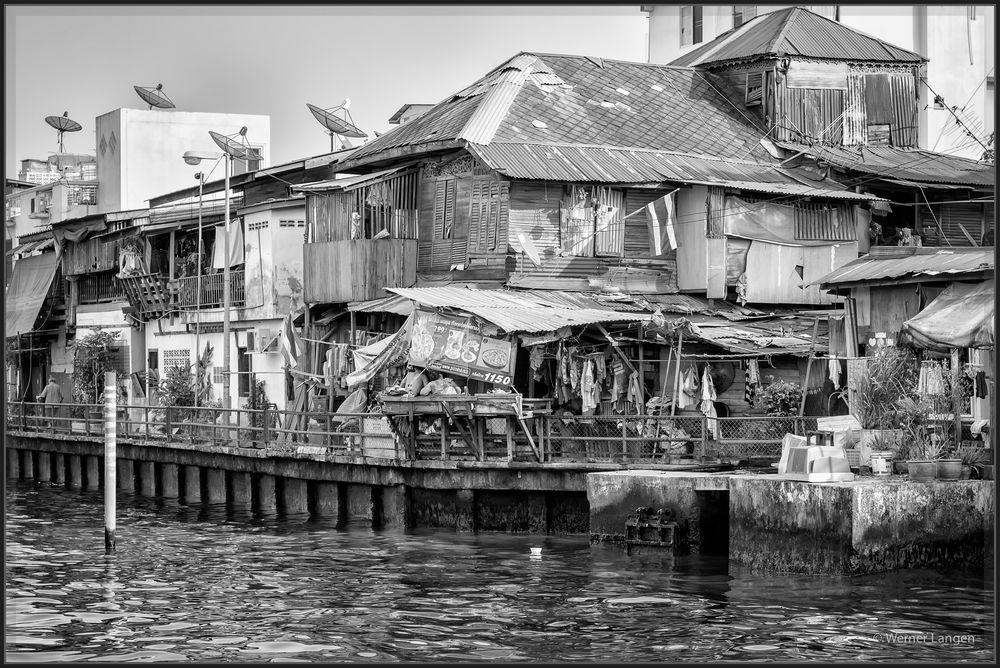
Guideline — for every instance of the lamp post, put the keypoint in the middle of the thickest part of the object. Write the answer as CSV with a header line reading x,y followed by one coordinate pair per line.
x,y
197,326
232,149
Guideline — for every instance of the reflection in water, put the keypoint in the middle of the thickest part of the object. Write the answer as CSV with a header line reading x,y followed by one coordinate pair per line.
x,y
198,584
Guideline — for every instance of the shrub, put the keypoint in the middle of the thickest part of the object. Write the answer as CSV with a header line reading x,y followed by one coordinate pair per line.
x,y
780,398
92,357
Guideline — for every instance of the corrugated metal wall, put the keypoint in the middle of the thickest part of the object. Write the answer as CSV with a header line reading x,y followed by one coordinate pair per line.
x,y
636,229
534,211
952,218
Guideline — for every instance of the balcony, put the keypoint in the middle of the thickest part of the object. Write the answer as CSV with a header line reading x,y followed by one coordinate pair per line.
x,y
211,290
357,269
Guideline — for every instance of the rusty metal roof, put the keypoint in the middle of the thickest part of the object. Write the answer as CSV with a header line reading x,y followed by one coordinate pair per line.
x,y
606,164
515,311
907,262
918,165
760,338
572,100
796,32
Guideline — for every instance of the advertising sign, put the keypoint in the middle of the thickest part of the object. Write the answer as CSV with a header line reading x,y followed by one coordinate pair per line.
x,y
456,345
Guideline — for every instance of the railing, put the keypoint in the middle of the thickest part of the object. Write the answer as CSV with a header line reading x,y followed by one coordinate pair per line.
x,y
627,439
100,287
211,290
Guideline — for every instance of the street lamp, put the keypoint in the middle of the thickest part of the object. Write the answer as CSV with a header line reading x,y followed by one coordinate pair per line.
x,y
232,149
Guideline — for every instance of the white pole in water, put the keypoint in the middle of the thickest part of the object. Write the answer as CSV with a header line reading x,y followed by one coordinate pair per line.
x,y
110,458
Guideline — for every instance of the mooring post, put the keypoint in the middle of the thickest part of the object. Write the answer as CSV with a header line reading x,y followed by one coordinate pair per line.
x,y
110,457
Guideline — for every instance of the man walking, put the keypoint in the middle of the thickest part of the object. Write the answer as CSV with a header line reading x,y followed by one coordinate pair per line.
x,y
51,395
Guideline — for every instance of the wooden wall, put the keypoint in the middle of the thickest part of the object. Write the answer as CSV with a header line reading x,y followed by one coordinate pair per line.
x,y
357,269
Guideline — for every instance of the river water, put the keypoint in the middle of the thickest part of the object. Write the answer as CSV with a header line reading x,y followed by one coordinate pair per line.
x,y
198,584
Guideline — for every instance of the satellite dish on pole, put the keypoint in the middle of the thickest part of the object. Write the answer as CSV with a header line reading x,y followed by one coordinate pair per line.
x,y
337,126
234,148
63,124
154,96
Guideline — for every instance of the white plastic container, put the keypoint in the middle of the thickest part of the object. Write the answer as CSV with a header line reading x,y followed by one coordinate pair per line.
x,y
881,463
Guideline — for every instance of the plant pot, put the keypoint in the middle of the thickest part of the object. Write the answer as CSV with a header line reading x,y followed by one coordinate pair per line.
x,y
922,470
966,472
949,469
876,439
900,468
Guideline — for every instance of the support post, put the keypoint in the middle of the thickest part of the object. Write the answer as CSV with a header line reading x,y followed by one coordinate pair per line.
x,y
809,363
110,458
956,395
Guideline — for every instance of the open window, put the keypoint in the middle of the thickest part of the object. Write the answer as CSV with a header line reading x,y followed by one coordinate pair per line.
x,y
754,89
691,25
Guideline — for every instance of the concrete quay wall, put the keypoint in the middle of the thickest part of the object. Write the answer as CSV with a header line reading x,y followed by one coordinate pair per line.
x,y
773,524
463,495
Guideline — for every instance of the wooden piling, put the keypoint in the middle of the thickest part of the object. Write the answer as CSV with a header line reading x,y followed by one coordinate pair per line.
x,y
110,458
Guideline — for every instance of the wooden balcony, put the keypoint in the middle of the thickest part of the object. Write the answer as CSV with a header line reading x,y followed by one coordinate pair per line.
x,y
357,269
211,290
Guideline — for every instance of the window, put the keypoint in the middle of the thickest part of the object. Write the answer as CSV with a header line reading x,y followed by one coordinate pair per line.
x,y
691,25
244,166
743,13
180,357
755,88
488,215
245,369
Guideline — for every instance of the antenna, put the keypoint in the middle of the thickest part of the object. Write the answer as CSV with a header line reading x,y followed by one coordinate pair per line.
x,y
337,126
233,148
154,96
63,124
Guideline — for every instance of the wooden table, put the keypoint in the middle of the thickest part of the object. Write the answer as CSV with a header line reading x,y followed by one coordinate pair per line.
x,y
468,413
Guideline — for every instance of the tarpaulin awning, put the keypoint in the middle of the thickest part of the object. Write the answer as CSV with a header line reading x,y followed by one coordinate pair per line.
x,y
370,359
77,230
960,317
29,285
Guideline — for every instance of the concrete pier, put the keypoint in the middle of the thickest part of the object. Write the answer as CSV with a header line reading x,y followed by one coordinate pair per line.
x,y
266,501
240,491
75,471
92,473
59,468
43,472
13,463
169,481
294,496
396,511
215,486
27,465
327,499
125,471
465,510
359,503
192,484
147,479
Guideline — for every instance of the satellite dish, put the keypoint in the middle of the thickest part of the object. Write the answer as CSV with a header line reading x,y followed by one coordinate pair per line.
x,y
63,124
154,96
234,148
337,126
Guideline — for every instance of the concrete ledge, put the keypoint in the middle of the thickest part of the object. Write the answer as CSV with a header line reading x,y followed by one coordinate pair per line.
x,y
866,526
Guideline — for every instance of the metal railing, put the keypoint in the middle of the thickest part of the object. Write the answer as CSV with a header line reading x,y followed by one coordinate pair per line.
x,y
211,290
626,439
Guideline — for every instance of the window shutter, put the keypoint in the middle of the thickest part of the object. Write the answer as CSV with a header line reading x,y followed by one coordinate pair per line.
x,y
754,89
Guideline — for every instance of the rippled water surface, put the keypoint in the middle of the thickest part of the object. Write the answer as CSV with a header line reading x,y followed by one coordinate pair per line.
x,y
196,584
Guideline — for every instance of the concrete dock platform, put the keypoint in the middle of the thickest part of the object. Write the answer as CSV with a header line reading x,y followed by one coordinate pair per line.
x,y
774,524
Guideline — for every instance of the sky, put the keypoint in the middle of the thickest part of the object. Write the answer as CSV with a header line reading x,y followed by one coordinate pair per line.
x,y
273,59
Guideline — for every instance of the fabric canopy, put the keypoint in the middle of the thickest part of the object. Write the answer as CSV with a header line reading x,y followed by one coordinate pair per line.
x,y
371,359
235,246
77,231
28,287
960,317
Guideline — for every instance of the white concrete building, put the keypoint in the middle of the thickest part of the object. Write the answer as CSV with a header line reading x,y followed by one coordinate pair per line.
x,y
958,40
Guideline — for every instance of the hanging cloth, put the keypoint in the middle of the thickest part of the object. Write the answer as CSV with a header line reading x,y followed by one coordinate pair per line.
x,y
689,389
833,367
980,385
587,386
708,397
751,381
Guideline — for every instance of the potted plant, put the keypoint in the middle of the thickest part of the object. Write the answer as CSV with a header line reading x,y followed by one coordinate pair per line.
x,y
949,466
888,375
971,458
923,463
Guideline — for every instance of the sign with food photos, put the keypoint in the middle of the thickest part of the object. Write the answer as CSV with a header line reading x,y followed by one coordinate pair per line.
x,y
457,345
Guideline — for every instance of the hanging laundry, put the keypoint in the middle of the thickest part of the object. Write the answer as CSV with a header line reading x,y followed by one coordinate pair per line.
x,y
708,397
688,395
931,379
833,366
752,382
635,391
981,385
587,387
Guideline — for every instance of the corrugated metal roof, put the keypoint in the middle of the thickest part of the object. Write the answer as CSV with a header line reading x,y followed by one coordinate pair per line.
x,y
901,163
580,103
515,311
346,182
770,337
902,262
607,164
796,32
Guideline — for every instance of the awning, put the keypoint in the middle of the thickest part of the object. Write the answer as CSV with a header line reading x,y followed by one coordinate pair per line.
x,y
390,304
31,246
77,230
960,317
370,359
29,285
347,181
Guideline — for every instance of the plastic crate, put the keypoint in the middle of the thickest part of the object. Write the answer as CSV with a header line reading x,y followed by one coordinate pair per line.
x,y
853,457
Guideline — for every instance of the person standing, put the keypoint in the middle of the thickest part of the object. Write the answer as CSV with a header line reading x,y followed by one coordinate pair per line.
x,y
50,396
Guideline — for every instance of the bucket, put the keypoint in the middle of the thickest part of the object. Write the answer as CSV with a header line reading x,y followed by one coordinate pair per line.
x,y
881,463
